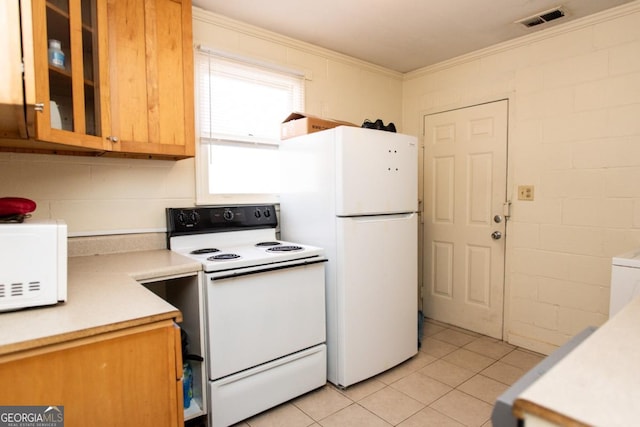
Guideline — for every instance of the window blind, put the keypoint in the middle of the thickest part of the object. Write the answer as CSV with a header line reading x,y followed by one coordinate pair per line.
x,y
242,101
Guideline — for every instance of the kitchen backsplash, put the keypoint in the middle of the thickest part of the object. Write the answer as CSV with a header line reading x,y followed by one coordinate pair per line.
x,y
117,243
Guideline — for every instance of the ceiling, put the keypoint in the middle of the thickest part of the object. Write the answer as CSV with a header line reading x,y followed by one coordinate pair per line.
x,y
401,35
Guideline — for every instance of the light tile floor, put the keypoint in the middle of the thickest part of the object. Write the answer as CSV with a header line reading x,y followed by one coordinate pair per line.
x,y
452,381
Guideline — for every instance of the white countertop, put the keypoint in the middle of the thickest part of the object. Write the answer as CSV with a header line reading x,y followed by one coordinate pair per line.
x,y
598,383
103,295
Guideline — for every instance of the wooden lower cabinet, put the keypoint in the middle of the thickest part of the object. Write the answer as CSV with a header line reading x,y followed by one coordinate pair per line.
x,y
132,377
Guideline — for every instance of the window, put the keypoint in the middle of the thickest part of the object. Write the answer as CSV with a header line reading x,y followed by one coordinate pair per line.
x,y
239,108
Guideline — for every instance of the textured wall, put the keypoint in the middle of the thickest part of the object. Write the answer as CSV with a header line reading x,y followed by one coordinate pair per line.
x,y
574,133
337,86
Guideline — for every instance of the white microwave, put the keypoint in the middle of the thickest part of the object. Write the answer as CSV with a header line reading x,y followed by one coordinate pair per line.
x,y
33,263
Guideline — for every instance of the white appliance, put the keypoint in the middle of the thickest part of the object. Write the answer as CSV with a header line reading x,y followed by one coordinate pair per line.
x,y
33,266
265,308
625,280
353,191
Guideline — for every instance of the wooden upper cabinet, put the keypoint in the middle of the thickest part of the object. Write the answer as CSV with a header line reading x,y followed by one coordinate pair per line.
x,y
124,87
150,68
66,97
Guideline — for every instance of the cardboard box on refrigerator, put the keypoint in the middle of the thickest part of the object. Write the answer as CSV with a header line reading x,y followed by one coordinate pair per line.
x,y
297,124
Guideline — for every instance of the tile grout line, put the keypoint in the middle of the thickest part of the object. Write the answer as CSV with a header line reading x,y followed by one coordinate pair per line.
x,y
390,381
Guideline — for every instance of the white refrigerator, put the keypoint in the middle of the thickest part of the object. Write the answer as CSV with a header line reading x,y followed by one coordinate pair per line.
x,y
353,192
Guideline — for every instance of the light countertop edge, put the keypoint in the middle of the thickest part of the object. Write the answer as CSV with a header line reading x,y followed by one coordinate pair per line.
x,y
598,383
104,295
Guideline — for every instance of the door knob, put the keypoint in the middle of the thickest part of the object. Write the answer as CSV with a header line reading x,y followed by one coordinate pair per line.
x,y
496,235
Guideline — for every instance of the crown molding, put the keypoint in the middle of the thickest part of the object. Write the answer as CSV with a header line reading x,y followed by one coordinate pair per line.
x,y
607,15
260,33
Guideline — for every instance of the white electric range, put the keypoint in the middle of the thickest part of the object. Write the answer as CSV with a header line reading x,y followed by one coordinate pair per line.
x,y
265,307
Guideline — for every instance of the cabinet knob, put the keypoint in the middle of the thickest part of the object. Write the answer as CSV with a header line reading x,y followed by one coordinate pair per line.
x,y
39,106
113,139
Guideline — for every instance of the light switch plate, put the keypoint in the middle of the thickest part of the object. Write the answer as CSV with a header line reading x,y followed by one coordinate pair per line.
x,y
525,192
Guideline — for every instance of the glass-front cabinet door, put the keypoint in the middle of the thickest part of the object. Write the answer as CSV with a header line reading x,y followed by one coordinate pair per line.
x,y
68,80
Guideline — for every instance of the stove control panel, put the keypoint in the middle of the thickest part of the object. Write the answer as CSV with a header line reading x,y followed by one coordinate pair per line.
x,y
211,219
228,215
188,218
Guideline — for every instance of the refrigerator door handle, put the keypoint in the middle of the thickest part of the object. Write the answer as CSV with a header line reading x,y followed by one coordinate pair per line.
x,y
384,217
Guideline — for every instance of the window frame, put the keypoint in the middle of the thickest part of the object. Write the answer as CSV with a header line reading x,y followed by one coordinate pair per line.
x,y
203,143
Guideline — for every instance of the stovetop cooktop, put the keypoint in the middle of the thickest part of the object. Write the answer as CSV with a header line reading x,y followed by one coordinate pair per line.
x,y
224,238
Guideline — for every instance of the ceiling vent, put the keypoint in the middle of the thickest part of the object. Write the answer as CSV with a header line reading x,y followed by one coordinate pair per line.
x,y
542,17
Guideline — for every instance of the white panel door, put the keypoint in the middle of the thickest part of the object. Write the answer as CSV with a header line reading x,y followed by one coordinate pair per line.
x,y
376,172
465,169
377,299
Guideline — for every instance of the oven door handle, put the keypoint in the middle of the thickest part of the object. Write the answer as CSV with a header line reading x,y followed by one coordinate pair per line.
x,y
267,269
